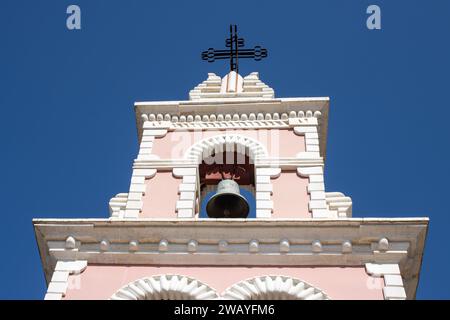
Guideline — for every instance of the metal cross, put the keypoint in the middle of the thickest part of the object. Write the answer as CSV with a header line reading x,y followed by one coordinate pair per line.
x,y
234,43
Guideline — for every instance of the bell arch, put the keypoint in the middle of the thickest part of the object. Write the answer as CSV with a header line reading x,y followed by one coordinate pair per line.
x,y
226,142
273,288
166,287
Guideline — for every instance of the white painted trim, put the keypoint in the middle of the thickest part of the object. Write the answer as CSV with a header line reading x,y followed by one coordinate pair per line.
x,y
134,203
253,148
267,248
213,87
118,204
339,205
316,190
59,283
186,202
324,204
406,242
393,289
234,113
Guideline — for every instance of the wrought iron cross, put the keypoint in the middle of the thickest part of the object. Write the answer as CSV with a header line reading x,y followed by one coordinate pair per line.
x,y
234,43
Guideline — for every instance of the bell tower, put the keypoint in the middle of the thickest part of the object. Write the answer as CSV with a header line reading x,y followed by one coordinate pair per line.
x,y
227,200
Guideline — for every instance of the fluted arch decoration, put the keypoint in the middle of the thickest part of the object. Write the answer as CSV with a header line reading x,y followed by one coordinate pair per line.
x,y
242,144
226,142
166,287
273,288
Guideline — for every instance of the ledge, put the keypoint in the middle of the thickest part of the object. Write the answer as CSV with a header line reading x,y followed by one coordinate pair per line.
x,y
295,242
236,106
237,222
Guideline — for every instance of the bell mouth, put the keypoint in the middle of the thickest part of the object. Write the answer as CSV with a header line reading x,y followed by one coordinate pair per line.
x,y
227,203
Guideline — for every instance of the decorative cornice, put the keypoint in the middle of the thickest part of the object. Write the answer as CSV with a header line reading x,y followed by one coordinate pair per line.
x,y
283,163
238,119
230,113
280,242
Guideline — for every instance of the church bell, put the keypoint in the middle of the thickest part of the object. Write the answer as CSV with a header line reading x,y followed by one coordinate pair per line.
x,y
227,202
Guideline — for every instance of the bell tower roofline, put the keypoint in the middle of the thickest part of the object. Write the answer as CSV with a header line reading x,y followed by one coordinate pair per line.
x,y
216,103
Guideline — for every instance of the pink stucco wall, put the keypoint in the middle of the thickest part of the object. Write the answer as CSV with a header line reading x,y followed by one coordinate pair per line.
x,y
279,142
102,281
160,196
290,196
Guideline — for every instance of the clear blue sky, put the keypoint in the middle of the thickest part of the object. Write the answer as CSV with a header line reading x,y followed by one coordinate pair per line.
x,y
68,133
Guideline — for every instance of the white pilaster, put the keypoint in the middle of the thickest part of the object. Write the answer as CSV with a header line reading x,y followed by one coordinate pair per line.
x,y
59,283
185,205
393,289
316,189
134,202
263,186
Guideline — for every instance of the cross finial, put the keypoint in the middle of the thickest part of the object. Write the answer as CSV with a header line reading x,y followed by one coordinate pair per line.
x,y
234,43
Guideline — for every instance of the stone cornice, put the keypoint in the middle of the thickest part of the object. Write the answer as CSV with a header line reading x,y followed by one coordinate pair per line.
x,y
236,113
283,163
324,242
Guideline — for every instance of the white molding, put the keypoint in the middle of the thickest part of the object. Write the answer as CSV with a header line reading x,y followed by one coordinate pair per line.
x,y
269,248
406,242
134,203
324,204
316,190
379,270
235,113
218,125
249,87
285,246
117,205
262,162
272,245
263,187
185,206
273,287
150,131
220,121
393,289
198,150
253,246
166,287
339,205
272,172
301,130
347,246
253,149
58,285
